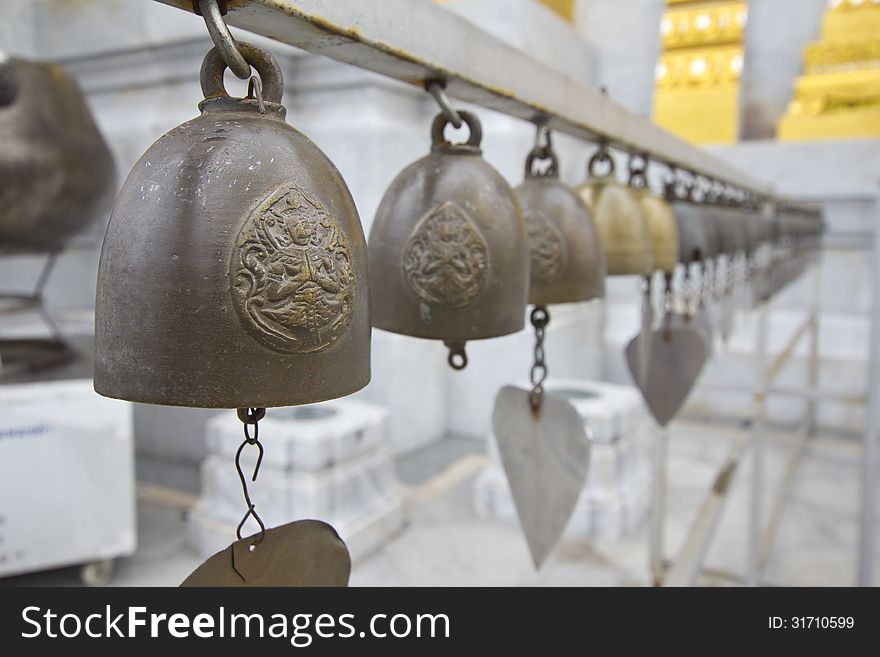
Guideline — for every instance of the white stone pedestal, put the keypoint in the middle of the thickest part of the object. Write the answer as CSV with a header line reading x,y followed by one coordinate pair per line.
x,y
617,493
67,492
325,461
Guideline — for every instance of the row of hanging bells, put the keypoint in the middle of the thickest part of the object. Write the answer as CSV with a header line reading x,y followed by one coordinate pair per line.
x,y
235,274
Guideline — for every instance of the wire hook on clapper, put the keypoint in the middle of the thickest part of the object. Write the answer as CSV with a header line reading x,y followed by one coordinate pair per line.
x,y
250,416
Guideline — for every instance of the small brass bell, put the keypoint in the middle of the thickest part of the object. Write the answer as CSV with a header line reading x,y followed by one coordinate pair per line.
x,y
619,219
662,227
234,269
567,262
692,241
448,253
56,169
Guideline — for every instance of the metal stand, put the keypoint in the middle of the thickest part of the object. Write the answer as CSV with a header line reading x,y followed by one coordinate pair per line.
x,y
20,355
688,564
865,574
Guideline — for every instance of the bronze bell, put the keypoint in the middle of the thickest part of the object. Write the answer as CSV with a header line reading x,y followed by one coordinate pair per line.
x,y
234,269
659,218
56,169
692,243
619,219
730,224
566,258
448,253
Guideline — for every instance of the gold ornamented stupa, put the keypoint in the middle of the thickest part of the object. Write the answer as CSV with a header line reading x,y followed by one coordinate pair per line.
x,y
839,93
699,70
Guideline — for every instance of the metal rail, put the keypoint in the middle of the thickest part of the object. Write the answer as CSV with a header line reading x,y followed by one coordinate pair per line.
x,y
417,41
868,524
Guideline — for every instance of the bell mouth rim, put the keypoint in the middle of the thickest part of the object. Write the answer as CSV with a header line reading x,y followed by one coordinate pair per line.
x,y
248,105
183,400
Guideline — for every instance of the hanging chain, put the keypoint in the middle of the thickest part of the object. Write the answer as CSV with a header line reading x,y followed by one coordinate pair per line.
x,y
539,319
668,294
688,292
213,11
250,417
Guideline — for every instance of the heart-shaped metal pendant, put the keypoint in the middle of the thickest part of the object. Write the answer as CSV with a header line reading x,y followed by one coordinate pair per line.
x,y
679,350
302,553
546,457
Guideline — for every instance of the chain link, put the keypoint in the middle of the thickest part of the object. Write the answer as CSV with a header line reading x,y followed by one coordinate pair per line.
x,y
250,417
539,319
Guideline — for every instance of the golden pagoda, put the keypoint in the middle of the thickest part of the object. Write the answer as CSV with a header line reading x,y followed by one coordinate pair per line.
x,y
839,93
699,69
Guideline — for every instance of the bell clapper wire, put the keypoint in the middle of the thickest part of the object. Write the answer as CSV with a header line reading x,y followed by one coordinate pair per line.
x,y
213,11
250,416
437,89
255,91
539,318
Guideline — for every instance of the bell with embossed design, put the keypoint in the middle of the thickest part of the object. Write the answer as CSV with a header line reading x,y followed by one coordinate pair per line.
x,y
234,269
447,249
567,262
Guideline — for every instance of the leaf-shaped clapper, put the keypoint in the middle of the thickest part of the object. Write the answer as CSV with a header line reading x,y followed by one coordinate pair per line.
x,y
546,457
679,350
302,553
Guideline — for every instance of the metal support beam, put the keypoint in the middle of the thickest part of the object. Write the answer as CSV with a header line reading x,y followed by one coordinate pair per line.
x,y
658,508
416,41
868,523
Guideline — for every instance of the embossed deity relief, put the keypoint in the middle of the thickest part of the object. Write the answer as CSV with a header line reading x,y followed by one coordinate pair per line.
x,y
546,248
446,259
292,279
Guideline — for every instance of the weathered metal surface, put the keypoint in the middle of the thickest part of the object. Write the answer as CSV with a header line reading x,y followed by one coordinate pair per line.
x,y
619,219
388,37
566,258
302,553
56,170
546,458
234,269
447,249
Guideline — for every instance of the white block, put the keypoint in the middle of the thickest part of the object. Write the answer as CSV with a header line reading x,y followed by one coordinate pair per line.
x,y
67,493
341,492
310,437
609,410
